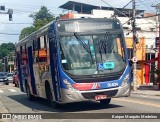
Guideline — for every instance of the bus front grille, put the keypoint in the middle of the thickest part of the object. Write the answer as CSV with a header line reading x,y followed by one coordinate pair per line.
x,y
92,95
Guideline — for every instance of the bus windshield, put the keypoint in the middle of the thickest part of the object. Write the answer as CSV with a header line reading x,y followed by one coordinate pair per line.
x,y
92,54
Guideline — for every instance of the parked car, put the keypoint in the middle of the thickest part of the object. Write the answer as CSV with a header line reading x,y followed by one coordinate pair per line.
x,y
15,79
10,77
3,78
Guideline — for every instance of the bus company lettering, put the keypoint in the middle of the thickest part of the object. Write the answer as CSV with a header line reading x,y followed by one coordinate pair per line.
x,y
113,84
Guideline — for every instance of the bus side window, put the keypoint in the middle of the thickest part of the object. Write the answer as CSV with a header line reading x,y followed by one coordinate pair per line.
x,y
42,54
23,57
36,47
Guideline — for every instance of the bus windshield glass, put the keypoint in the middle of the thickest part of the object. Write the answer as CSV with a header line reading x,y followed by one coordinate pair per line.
x,y
93,53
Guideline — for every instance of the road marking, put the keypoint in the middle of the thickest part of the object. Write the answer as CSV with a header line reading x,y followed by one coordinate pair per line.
x,y
12,90
1,91
138,102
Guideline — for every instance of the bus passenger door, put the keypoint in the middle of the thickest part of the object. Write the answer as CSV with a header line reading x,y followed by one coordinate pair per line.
x,y
54,65
31,70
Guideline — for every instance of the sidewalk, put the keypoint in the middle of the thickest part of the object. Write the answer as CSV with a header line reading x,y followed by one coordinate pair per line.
x,y
147,90
2,107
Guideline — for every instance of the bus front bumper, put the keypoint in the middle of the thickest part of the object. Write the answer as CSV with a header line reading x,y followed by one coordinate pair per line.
x,y
68,96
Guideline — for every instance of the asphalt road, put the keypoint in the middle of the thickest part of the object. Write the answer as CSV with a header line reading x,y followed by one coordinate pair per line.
x,y
16,102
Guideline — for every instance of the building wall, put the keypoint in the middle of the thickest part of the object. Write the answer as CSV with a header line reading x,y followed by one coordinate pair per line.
x,y
141,56
141,51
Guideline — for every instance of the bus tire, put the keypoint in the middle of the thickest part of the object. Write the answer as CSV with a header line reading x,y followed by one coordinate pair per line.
x,y
7,83
29,95
48,95
105,101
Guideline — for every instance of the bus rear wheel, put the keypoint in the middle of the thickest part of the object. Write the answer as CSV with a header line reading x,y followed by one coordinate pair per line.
x,y
105,101
49,95
49,98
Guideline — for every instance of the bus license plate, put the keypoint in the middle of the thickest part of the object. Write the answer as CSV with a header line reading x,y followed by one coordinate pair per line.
x,y
100,97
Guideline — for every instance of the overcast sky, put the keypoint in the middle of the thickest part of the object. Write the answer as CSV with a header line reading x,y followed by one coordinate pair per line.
x,y
23,8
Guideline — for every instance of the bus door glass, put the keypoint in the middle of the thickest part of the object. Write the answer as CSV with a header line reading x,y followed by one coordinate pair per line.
x,y
31,71
54,65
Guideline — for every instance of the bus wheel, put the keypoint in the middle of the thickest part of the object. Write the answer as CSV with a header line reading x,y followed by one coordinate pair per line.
x,y
49,96
29,95
105,101
7,83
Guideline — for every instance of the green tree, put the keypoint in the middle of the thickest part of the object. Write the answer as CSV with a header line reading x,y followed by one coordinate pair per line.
x,y
6,49
26,31
8,46
40,19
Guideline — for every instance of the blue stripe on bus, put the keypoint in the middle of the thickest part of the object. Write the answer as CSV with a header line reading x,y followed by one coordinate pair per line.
x,y
30,57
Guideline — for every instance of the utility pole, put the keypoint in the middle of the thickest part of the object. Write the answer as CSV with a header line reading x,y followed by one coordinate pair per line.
x,y
158,8
134,45
158,12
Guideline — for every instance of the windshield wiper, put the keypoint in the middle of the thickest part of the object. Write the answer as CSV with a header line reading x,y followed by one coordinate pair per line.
x,y
103,45
82,42
85,46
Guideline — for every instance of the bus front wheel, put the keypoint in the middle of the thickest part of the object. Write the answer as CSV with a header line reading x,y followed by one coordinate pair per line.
x,y
105,101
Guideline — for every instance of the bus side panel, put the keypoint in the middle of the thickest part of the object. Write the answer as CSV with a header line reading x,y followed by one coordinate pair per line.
x,y
31,72
20,72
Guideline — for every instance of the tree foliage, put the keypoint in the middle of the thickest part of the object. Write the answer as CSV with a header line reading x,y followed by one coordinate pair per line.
x,y
6,49
26,31
40,18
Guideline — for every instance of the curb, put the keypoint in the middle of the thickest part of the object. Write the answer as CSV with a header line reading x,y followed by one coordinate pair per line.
x,y
150,94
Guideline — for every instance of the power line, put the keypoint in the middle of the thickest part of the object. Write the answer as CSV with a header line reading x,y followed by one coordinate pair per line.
x,y
144,18
115,8
127,4
27,6
5,41
145,5
16,23
9,34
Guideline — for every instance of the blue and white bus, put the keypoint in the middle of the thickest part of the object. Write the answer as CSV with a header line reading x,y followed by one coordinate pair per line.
x,y
75,60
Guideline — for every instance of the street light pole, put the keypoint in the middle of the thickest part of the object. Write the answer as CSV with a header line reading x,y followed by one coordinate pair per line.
x,y
134,45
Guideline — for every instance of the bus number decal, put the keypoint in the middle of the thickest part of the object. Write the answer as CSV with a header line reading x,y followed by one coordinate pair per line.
x,y
80,65
108,65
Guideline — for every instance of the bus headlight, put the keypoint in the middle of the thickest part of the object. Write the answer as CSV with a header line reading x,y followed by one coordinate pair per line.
x,y
68,85
125,80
